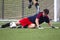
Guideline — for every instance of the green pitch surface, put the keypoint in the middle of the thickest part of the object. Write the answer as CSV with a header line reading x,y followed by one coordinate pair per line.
x,y
30,34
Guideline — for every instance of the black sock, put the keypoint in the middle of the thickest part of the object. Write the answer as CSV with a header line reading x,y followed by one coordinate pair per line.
x,y
31,0
37,4
5,25
37,8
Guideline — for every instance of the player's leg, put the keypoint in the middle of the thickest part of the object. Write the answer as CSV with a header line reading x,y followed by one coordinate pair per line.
x,y
32,26
37,7
35,2
19,24
30,3
5,25
10,24
23,22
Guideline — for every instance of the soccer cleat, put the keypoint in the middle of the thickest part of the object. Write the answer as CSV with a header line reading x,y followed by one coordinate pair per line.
x,y
12,25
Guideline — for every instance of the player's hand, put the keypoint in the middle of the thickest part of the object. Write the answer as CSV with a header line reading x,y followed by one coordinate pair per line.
x,y
39,27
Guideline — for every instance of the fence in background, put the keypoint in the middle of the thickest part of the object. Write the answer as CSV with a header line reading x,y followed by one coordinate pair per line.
x,y
16,9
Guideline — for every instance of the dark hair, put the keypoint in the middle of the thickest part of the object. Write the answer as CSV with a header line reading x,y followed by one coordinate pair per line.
x,y
46,11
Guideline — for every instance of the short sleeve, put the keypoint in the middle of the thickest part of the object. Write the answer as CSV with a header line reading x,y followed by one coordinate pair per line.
x,y
39,15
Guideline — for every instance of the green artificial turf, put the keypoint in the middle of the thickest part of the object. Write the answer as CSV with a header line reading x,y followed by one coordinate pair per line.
x,y
30,34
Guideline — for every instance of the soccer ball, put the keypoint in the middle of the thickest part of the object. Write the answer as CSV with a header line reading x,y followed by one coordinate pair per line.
x,y
12,24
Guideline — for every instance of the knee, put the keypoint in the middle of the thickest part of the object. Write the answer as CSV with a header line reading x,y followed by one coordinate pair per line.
x,y
31,26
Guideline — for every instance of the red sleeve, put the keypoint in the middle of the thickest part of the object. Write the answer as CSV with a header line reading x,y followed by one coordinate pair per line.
x,y
39,15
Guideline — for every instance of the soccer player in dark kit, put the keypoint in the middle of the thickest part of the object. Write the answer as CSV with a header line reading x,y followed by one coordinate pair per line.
x,y
32,21
34,2
31,2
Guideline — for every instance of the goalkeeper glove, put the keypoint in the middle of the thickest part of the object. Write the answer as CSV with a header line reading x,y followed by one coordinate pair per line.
x,y
39,27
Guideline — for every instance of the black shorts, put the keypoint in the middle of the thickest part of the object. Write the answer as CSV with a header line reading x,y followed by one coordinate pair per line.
x,y
44,19
36,0
31,0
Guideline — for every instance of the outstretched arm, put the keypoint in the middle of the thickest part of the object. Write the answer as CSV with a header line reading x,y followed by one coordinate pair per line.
x,y
50,24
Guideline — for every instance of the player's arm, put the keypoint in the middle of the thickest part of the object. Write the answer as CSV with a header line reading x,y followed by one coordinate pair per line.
x,y
37,21
50,24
